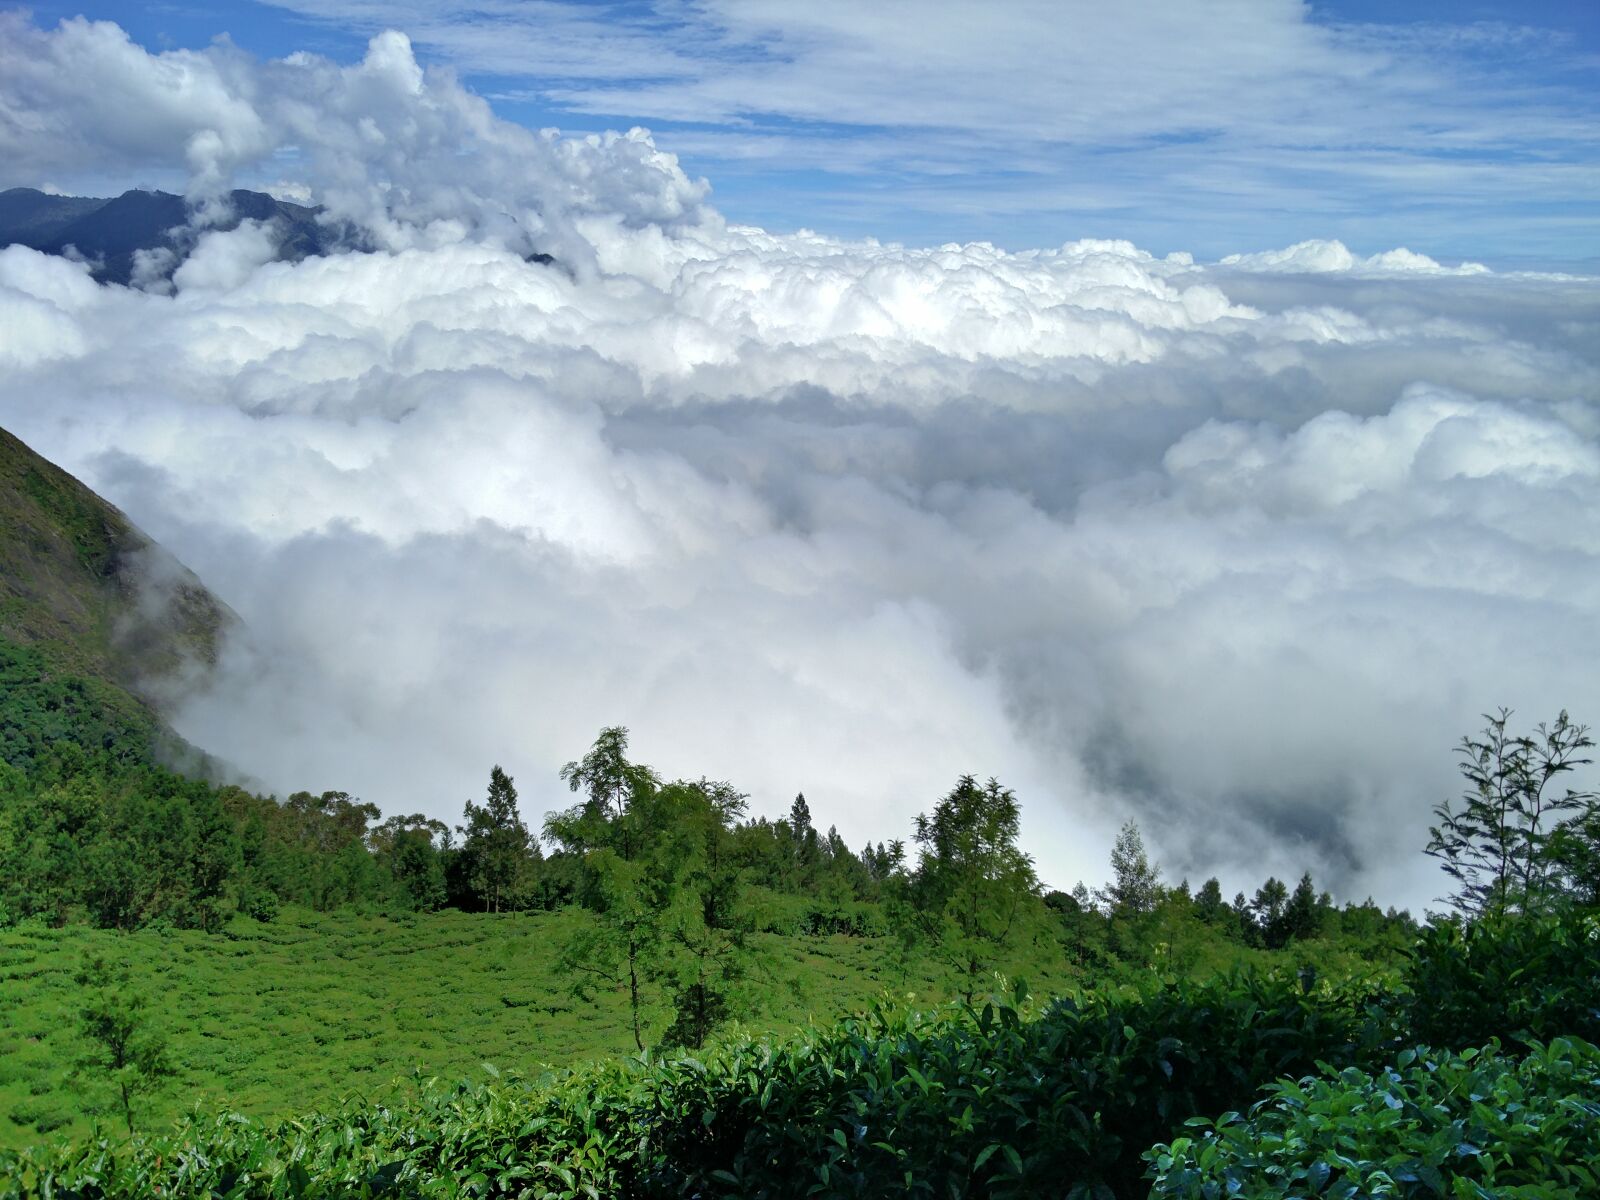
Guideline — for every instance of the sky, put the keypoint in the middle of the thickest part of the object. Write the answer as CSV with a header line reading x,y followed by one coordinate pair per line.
x,y
1136,425
1469,130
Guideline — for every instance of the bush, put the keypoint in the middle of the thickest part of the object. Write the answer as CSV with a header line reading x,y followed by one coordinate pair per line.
x,y
976,1101
1513,977
1471,1125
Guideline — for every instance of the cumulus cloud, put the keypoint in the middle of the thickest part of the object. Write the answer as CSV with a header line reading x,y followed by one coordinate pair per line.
x,y
1321,257
1233,123
1238,550
407,155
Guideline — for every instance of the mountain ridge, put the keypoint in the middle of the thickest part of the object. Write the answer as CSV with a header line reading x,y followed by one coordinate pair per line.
x,y
110,232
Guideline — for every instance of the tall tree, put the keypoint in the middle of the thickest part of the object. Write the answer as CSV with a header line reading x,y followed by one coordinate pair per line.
x,y
807,848
614,786
1135,887
1503,845
1268,908
497,840
1302,918
973,890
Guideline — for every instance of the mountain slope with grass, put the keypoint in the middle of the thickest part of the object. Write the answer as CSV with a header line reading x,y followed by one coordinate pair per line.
x,y
96,620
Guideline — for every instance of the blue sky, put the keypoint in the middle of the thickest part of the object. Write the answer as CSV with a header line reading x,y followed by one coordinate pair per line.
x,y
1464,131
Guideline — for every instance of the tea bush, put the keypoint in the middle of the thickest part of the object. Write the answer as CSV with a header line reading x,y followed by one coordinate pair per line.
x,y
1472,1125
993,1101
1506,977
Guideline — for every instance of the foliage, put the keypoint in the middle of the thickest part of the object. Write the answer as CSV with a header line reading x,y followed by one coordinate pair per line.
x,y
993,1100
1470,1125
497,845
974,891
1507,976
286,1017
1504,844
43,709
1135,888
122,1049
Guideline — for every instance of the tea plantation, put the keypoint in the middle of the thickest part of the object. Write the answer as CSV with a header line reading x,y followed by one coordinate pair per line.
x,y
289,1016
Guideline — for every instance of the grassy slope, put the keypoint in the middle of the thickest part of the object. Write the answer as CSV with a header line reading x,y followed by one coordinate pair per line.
x,y
286,1017
75,576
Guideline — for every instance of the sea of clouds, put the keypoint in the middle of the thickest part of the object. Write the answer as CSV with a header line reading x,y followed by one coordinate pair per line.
x,y
1237,550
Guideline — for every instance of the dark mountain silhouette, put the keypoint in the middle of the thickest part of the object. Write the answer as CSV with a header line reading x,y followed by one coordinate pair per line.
x,y
108,233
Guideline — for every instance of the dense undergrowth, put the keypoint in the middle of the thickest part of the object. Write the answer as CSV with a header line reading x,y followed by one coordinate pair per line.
x,y
1470,1125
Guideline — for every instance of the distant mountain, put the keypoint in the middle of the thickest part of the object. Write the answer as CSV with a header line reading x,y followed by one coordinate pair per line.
x,y
86,596
107,233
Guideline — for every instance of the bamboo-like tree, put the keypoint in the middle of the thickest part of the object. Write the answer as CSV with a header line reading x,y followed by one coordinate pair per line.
x,y
1502,845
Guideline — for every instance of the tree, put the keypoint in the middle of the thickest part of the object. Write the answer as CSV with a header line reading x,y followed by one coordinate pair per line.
x,y
1209,905
1302,918
122,1048
1268,908
1135,888
1504,845
711,964
807,849
410,847
497,841
973,888
622,947
614,785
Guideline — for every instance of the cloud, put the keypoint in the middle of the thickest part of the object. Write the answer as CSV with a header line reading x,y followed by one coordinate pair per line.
x,y
1325,257
407,155
1243,119
1238,551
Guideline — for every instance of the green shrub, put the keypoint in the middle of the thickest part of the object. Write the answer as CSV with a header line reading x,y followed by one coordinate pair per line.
x,y
1505,977
1475,1126
978,1101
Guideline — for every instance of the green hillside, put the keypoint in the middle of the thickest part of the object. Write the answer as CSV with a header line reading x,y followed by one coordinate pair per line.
x,y
292,1015
80,583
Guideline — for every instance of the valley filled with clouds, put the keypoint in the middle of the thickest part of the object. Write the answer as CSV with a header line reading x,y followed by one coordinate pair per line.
x,y
1239,549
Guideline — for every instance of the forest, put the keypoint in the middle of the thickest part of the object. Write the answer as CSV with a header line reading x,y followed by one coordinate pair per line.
x,y
974,1034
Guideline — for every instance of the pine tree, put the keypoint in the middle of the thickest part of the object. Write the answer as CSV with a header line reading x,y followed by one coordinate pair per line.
x,y
497,841
1272,898
1303,917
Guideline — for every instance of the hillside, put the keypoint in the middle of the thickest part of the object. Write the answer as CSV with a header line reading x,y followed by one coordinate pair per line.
x,y
92,612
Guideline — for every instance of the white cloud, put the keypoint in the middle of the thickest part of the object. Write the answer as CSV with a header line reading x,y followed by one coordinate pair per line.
x,y
1237,551
1226,119
409,156
1327,257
